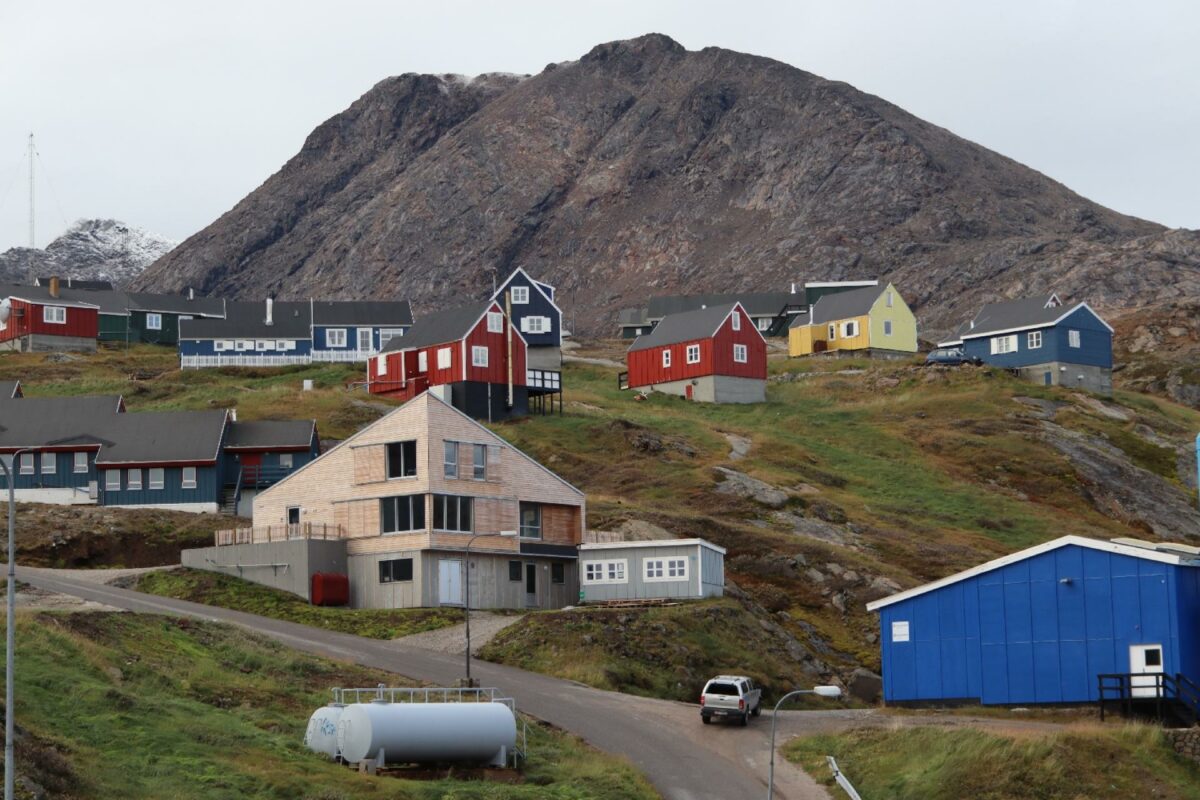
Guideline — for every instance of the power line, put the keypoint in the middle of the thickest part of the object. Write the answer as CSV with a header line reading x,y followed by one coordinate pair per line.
x,y
53,192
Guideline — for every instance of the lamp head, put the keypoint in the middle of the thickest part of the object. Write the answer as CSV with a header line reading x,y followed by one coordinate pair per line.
x,y
828,691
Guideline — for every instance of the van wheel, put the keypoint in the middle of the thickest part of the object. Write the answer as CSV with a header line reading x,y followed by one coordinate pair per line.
x,y
706,720
745,719
757,710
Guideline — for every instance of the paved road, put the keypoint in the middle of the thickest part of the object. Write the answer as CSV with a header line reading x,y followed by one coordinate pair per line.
x,y
683,759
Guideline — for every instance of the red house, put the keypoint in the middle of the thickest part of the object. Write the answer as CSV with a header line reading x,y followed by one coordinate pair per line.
x,y
40,318
470,356
712,354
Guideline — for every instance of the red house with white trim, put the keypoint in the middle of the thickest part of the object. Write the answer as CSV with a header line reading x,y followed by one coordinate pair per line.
x,y
42,318
716,355
471,357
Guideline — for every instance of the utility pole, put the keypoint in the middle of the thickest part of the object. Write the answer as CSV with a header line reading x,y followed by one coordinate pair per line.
x,y
32,239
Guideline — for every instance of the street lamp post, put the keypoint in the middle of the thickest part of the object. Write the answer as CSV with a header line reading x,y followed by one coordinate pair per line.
x,y
471,541
9,633
822,691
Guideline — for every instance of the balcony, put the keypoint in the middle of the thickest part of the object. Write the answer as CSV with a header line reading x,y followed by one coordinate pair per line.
x,y
263,534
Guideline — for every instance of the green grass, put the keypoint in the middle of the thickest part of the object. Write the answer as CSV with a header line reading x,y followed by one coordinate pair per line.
x,y
226,591
147,707
937,763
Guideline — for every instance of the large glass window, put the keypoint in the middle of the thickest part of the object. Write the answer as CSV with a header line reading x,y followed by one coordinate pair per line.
x,y
402,459
112,480
157,478
25,464
49,463
133,478
452,513
401,514
81,462
395,569
189,478
531,521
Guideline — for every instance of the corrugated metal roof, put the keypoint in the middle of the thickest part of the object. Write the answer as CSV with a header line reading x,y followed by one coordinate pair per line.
x,y
757,304
108,302
684,327
177,304
362,312
247,320
446,325
843,305
46,421
149,436
1024,312
271,433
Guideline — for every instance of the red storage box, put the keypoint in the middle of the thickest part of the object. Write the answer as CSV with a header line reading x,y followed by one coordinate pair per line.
x,y
330,589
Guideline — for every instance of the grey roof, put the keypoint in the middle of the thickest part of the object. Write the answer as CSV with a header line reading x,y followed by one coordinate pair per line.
x,y
362,312
108,302
8,389
271,433
45,421
757,304
683,327
177,304
74,283
247,320
1024,312
157,436
446,325
842,305
632,317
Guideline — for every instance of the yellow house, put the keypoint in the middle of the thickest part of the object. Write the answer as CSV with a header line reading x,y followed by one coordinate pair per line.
x,y
873,319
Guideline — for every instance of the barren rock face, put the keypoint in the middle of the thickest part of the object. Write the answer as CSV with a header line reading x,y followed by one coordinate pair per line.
x,y
644,168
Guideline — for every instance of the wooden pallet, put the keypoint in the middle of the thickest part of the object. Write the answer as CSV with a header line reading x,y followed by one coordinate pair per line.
x,y
646,603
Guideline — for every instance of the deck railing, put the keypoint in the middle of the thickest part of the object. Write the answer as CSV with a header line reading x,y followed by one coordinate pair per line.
x,y
262,534
1167,692
245,360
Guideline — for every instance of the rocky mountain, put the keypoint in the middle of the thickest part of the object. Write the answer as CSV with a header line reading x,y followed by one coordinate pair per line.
x,y
91,249
643,167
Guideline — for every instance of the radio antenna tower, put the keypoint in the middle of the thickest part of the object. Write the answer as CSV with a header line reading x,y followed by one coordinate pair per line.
x,y
32,240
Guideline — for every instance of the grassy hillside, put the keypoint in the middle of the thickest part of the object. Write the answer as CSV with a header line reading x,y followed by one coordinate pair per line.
x,y
215,589
136,706
936,763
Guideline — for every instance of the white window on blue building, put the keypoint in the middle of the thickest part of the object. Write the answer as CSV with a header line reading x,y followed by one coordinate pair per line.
x,y
1034,340
154,322
520,295
49,463
900,630
157,477
189,478
387,334
1073,338
365,340
133,478
1004,344
112,480
81,462
335,337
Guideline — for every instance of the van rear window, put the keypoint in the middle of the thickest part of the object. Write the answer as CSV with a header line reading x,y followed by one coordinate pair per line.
x,y
722,688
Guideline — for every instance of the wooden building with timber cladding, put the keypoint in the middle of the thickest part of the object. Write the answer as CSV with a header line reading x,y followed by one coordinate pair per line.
x,y
408,493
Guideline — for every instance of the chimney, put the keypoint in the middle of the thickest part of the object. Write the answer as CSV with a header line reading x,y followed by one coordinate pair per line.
x,y
233,415
54,286
793,287
270,309
191,293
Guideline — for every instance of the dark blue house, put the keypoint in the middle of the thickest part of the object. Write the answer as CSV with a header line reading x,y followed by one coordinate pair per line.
x,y
540,321
1041,625
1043,340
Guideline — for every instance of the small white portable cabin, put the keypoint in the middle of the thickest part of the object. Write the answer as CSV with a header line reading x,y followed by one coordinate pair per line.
x,y
658,569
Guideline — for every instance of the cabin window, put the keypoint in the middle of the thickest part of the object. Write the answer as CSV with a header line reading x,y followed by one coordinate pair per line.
x,y
520,295
285,460
221,345
189,478
49,463
154,322
736,321
26,464
604,571
558,573
479,462
1004,344
422,361
366,339
900,630
479,356
666,569
887,327
381,365
739,353
677,568
387,334
450,459
402,459
654,569
832,332
157,478
112,480
335,337
81,462
444,356
402,514
535,324
263,345
1034,340
531,521
244,344
54,314
1073,338
396,570
495,322
764,324
283,344
452,513
133,479
514,570
666,358
693,354
890,299
850,329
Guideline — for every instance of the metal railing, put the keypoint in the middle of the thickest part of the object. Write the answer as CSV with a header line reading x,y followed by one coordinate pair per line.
x,y
263,534
1180,694
255,476
406,389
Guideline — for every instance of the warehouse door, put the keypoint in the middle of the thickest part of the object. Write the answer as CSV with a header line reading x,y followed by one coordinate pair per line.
x,y
1145,662
450,588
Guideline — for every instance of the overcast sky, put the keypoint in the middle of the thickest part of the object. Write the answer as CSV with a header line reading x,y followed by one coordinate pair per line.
x,y
165,114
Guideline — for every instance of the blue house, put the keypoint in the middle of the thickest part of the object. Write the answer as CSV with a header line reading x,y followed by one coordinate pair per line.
x,y
356,330
1041,625
1043,340
540,321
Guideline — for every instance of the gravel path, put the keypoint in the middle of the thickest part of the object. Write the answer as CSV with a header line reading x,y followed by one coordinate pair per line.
x,y
98,576
484,626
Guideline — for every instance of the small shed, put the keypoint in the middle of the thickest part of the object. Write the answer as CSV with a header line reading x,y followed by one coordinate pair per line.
x,y
684,569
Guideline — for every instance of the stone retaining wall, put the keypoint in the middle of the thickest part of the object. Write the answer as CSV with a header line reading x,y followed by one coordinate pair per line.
x,y
1186,742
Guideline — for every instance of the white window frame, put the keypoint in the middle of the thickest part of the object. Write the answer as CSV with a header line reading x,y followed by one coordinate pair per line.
x,y
764,324
422,361
263,345
609,571
159,480
887,327
49,460
25,465
692,355
891,297
1033,340
282,344
1074,338
850,329
112,480
221,345
535,324
677,568
479,356
286,461
445,357
1002,345
832,331
387,334
519,295
736,321
59,317
82,454
370,332
186,482
653,569
242,345
901,631
740,352
133,479
335,337
666,358
381,364
154,322
495,322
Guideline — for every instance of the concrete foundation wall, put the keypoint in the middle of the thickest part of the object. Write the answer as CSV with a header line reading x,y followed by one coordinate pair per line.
x,y
1077,376
549,358
41,343
281,565
717,389
61,496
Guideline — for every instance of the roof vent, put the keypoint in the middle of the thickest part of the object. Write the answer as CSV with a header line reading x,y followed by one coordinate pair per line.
x,y
270,311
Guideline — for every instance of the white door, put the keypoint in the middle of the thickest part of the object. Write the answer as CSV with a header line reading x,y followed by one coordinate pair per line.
x,y
364,340
450,588
1147,660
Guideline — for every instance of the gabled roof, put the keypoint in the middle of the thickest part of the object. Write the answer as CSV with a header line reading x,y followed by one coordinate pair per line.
x,y
362,312
176,304
247,320
545,289
50,421
1039,311
446,325
842,305
756,304
1165,553
266,434
685,327
73,283
162,436
77,298
10,390
652,543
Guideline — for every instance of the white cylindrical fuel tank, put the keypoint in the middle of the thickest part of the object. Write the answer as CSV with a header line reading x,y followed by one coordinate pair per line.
x,y
427,732
321,736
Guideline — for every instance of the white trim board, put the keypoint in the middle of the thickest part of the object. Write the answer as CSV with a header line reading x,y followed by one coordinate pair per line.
x,y
1115,546
1051,324
649,543
534,283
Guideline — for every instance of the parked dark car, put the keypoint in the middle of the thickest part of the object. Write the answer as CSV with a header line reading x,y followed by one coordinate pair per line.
x,y
950,356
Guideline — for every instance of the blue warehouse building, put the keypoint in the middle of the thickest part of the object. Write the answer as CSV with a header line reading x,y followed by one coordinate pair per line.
x,y
1041,625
